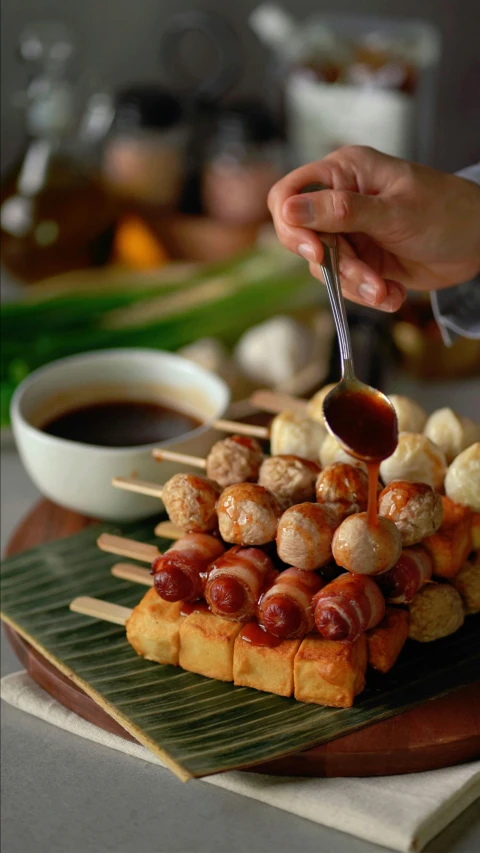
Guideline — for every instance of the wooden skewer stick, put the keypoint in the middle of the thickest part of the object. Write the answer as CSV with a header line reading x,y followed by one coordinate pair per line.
x,y
127,548
275,402
142,487
130,572
169,530
241,429
173,456
99,609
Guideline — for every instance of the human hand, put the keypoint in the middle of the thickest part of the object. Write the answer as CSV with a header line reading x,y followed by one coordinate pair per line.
x,y
403,225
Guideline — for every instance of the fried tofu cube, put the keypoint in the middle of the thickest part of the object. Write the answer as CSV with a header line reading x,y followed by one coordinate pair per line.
x,y
476,531
327,672
450,546
153,629
206,645
264,667
386,640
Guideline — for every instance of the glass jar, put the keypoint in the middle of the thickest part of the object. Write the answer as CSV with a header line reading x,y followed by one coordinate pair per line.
x,y
144,156
245,158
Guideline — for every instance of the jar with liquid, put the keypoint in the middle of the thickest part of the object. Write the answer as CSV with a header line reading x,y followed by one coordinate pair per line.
x,y
244,160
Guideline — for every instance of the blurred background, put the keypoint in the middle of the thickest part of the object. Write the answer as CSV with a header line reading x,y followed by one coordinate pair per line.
x,y
139,143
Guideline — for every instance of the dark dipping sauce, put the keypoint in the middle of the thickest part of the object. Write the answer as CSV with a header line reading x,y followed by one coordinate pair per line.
x,y
121,423
363,422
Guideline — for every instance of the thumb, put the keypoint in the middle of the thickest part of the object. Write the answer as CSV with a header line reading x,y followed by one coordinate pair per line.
x,y
337,211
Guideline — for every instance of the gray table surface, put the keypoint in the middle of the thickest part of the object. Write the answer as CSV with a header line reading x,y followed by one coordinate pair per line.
x,y
61,794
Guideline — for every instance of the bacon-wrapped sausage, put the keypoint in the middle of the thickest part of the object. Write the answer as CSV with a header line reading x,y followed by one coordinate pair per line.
x,y
235,459
179,574
247,515
236,581
404,579
190,501
347,607
304,537
285,610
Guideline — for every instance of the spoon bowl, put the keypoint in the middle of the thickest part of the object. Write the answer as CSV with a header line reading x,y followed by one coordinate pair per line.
x,y
362,419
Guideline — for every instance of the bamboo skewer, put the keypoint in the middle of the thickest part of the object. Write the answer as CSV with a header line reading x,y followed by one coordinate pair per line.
x,y
98,609
130,572
171,456
127,548
142,487
275,402
241,429
169,530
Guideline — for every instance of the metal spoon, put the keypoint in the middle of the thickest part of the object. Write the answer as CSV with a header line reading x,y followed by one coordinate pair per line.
x,y
373,432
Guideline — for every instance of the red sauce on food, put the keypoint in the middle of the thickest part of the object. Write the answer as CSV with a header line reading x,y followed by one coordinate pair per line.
x,y
257,636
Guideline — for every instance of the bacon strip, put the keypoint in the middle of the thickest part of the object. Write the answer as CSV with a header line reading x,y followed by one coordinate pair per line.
x,y
401,583
285,610
236,582
347,607
178,575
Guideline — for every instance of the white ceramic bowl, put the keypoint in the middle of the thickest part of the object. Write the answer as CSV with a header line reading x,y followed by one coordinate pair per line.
x,y
79,476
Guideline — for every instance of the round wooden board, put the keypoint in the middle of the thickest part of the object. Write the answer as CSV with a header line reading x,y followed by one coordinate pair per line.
x,y
440,733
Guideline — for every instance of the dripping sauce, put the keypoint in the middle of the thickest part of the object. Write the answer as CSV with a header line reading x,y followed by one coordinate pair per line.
x,y
257,636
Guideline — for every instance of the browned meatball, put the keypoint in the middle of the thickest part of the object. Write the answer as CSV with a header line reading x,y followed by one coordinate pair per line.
x,y
235,459
343,489
247,515
190,501
290,479
304,536
414,508
366,550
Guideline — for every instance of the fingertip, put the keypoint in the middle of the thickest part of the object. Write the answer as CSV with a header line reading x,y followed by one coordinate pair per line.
x,y
396,295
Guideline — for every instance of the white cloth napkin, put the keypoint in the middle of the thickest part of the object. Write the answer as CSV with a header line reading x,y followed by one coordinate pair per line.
x,y
401,812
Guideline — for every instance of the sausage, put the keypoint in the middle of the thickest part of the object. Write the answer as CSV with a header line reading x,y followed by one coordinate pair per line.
x,y
236,581
190,501
404,579
247,515
236,459
285,610
304,536
179,574
347,607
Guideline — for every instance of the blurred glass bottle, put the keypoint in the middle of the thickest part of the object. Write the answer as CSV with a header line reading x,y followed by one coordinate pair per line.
x,y
55,214
245,159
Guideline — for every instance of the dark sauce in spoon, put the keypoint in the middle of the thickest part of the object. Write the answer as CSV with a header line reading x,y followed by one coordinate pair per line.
x,y
121,423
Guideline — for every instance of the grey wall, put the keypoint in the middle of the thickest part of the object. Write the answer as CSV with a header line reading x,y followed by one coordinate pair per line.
x,y
120,39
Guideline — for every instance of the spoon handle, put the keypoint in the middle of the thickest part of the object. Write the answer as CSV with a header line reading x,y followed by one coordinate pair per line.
x,y
329,267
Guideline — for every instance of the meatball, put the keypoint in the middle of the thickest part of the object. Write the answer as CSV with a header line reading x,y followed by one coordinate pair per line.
x,y
290,479
304,536
366,550
410,415
467,583
462,483
414,508
332,451
235,459
247,515
450,432
190,501
416,459
294,433
315,404
343,489
436,611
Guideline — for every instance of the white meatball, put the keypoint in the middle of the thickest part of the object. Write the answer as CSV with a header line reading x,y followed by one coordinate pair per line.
x,y
366,550
410,415
315,404
416,459
295,434
450,432
462,483
332,451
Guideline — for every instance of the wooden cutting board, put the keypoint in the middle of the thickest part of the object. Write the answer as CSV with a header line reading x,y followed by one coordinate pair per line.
x,y
440,733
